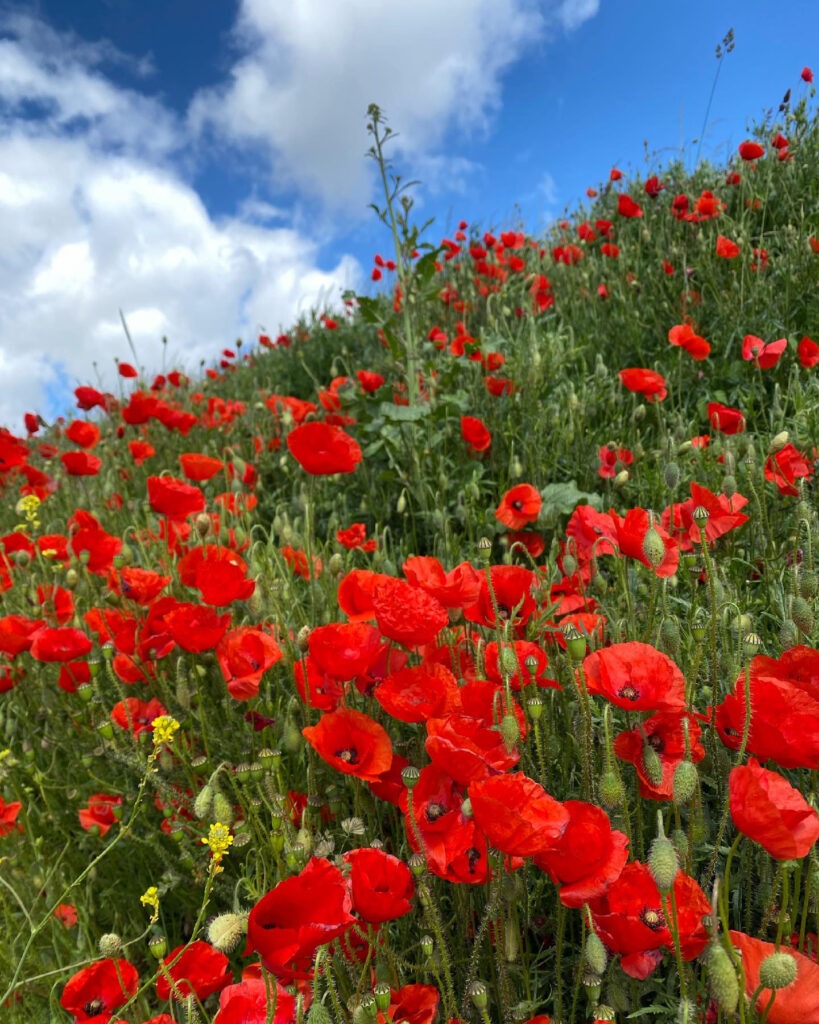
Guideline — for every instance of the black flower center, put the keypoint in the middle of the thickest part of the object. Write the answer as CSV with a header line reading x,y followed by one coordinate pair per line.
x,y
652,918
349,755
435,811
629,692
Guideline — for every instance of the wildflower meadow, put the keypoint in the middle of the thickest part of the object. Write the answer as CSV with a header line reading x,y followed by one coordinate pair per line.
x,y
451,657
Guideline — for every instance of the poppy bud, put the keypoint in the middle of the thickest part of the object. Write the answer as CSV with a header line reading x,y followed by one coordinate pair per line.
x,y
401,504
510,731
680,840
685,783
671,475
808,584
291,737
621,479
729,486
596,955
788,635
511,941
478,994
222,810
652,764
203,804
569,565
318,1013
110,944
225,931
802,615
507,661
611,789
670,636
722,978
777,971
778,442
662,860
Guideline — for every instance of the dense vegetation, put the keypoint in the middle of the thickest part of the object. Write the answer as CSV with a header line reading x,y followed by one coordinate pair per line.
x,y
451,656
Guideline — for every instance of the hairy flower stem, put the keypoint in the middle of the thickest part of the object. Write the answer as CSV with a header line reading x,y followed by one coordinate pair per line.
x,y
675,934
585,707
434,922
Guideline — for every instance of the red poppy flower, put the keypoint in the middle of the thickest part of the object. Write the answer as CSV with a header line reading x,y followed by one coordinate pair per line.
x,y
724,515
174,498
725,419
8,816
412,1004
766,808
512,586
381,885
519,506
612,459
303,912
726,248
808,352
664,733
297,560
517,816
521,676
683,336
252,1001
355,593
66,914
751,150
765,355
648,383
244,655
454,846
407,614
454,589
797,1002
499,386
196,628
99,816
198,467
352,743
344,650
81,463
587,857
475,433
59,644
83,433
418,693
126,370
631,919
627,207
653,186
219,574
93,993
322,449
355,536
784,719
468,748
140,451
785,467
141,586
201,970
135,715
631,532
635,676
89,398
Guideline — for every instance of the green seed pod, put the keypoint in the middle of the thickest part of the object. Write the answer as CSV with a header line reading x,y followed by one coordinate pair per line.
x,y
686,779
788,635
802,615
722,978
777,971
478,994
680,841
611,789
596,956
729,485
110,945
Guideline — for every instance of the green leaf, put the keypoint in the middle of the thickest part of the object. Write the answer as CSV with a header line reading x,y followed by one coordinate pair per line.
x,y
562,499
403,413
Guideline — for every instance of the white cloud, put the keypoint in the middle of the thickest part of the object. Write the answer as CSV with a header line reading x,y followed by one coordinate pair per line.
x,y
572,13
309,70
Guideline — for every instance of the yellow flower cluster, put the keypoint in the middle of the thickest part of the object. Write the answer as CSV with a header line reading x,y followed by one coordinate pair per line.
x,y
164,729
150,898
27,506
218,840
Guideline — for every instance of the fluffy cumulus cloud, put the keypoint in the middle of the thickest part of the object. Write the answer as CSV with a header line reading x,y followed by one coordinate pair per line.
x,y
96,220
309,69
97,202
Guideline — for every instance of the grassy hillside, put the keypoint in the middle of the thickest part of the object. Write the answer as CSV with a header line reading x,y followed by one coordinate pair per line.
x,y
451,656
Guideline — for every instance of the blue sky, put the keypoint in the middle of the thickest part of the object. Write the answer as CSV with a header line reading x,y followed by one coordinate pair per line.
x,y
200,166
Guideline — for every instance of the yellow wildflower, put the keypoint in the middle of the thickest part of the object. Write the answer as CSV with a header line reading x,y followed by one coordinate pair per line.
x,y
164,728
150,898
